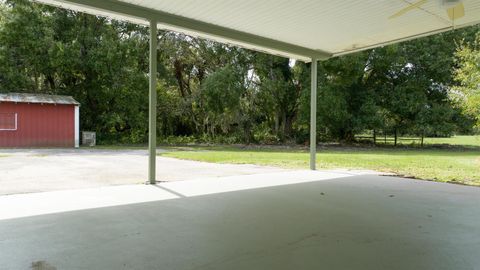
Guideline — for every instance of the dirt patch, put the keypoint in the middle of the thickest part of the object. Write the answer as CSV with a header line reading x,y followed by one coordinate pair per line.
x,y
42,265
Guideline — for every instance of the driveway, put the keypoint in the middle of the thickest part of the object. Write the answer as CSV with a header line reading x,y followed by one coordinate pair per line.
x,y
39,170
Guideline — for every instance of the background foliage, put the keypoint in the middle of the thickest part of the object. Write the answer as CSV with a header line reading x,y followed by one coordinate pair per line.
x,y
214,92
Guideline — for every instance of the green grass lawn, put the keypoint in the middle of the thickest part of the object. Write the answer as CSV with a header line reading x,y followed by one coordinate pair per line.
x,y
455,140
458,165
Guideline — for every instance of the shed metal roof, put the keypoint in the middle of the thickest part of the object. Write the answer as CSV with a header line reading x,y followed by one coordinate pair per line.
x,y
38,98
299,29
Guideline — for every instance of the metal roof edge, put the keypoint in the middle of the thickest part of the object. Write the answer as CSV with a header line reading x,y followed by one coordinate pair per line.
x,y
38,98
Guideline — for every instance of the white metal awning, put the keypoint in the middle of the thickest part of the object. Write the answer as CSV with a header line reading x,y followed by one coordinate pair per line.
x,y
299,29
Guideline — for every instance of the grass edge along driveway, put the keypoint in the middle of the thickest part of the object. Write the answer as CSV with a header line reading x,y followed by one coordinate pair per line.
x,y
442,165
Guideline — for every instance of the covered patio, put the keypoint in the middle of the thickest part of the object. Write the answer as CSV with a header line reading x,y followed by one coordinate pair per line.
x,y
299,220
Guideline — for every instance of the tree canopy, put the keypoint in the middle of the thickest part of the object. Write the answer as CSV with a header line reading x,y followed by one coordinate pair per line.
x,y
467,74
213,91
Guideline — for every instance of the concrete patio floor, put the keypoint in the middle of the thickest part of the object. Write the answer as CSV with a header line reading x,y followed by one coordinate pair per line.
x,y
292,220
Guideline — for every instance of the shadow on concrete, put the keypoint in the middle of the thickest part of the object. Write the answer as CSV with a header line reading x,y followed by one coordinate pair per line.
x,y
180,195
360,222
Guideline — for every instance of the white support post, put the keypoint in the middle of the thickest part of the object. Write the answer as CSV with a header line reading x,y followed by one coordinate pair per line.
x,y
313,115
152,116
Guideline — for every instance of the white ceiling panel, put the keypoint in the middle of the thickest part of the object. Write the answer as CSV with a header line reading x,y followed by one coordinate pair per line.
x,y
297,29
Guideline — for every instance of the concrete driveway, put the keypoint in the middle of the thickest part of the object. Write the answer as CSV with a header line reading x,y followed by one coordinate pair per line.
x,y
39,170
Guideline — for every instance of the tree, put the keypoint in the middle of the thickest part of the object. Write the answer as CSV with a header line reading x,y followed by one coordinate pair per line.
x,y
467,74
222,91
346,104
279,91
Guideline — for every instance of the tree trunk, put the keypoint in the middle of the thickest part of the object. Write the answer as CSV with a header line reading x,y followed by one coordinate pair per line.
x,y
289,126
277,123
423,135
177,65
395,137
283,126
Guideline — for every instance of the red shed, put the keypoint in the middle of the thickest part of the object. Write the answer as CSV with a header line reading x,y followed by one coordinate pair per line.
x,y
38,120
